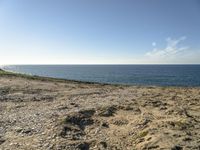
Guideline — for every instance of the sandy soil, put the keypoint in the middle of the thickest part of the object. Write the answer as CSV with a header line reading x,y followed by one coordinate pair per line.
x,y
46,114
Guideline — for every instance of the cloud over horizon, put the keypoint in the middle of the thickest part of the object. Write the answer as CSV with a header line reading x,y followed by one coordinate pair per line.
x,y
170,50
174,52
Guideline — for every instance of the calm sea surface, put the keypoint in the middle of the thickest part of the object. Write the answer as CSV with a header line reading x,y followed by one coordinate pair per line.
x,y
163,75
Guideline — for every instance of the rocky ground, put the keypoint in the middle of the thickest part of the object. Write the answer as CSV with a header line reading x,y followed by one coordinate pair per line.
x,y
45,114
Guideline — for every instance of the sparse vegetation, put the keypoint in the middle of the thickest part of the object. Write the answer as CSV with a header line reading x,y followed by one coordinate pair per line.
x,y
179,124
106,111
140,135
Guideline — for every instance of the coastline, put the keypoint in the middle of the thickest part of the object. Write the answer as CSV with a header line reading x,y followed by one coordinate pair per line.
x,y
49,113
42,78
53,79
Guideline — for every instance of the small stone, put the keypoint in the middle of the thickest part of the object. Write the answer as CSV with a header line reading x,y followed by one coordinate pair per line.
x,y
2,141
46,145
27,131
104,124
153,147
187,139
18,129
72,103
176,147
102,145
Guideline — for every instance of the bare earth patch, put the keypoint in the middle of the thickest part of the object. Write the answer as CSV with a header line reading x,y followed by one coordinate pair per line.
x,y
49,114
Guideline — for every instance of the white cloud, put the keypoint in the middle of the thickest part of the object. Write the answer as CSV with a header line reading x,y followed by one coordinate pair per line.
x,y
171,53
171,49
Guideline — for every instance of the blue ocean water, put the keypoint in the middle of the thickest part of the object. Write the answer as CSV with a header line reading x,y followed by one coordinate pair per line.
x,y
162,75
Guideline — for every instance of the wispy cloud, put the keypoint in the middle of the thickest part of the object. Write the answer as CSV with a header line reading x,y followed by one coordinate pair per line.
x,y
175,52
172,49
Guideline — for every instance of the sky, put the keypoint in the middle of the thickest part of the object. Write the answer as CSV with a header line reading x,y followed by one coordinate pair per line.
x,y
99,32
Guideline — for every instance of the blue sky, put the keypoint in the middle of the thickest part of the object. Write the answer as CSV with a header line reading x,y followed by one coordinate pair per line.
x,y
99,31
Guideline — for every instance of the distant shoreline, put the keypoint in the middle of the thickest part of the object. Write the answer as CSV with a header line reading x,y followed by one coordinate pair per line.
x,y
43,78
53,79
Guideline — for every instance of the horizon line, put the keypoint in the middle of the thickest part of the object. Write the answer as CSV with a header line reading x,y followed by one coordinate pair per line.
x,y
98,64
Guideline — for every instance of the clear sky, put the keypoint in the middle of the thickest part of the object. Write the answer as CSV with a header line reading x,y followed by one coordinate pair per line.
x,y
99,31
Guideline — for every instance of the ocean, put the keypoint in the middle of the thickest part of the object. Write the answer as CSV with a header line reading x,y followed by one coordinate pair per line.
x,y
158,75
